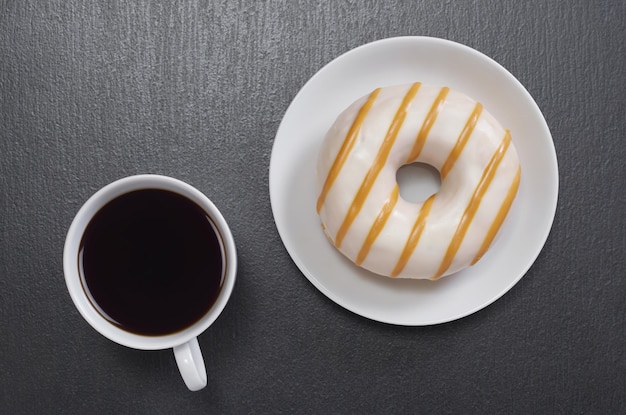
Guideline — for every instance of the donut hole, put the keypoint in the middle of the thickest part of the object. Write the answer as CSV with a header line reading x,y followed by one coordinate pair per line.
x,y
418,181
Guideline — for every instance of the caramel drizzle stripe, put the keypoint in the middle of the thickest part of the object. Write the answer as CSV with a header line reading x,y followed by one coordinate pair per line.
x,y
474,204
430,119
497,222
345,149
462,140
378,225
377,165
414,236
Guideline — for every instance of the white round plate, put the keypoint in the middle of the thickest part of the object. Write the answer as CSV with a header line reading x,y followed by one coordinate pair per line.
x,y
293,190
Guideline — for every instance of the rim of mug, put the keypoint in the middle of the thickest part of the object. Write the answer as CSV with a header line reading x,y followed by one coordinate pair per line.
x,y
73,279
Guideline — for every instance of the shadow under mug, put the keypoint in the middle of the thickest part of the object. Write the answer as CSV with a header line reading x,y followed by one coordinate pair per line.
x,y
185,344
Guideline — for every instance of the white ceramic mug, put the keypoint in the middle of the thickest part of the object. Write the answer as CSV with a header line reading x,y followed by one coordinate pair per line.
x,y
185,344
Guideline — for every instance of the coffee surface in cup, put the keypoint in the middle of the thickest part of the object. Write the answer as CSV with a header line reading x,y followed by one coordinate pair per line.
x,y
152,262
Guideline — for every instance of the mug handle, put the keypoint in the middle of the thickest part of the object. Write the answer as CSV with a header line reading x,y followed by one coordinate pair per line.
x,y
191,364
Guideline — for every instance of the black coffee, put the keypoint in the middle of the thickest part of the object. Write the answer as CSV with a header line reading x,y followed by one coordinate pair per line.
x,y
152,262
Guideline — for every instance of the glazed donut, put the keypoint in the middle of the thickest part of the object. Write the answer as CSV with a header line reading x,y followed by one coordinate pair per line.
x,y
359,204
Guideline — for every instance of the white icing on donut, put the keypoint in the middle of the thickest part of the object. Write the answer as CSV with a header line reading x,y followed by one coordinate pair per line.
x,y
359,206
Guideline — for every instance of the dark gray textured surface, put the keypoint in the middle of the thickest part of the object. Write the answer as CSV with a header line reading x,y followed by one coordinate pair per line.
x,y
93,92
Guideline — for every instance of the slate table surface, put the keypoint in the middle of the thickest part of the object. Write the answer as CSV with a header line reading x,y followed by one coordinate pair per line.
x,y
94,91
